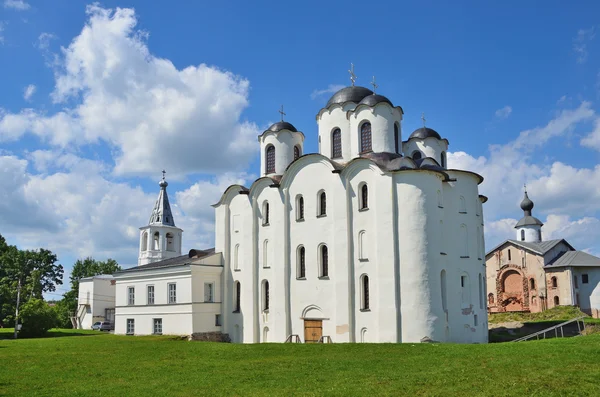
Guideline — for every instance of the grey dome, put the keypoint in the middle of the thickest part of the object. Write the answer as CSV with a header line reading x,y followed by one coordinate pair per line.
x,y
374,99
424,132
526,204
349,94
282,125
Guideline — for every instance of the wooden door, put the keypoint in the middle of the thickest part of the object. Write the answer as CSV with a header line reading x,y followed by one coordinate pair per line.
x,y
313,330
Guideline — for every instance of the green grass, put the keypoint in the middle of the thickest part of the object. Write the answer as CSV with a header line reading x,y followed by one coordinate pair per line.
x,y
559,313
110,365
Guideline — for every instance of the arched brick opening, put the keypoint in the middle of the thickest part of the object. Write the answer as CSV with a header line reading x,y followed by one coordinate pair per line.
x,y
512,289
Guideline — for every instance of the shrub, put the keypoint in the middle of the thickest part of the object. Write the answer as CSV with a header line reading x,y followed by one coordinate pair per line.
x,y
36,318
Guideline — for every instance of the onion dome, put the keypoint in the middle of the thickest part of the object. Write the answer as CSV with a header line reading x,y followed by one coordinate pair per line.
x,y
424,132
349,94
374,99
526,204
282,125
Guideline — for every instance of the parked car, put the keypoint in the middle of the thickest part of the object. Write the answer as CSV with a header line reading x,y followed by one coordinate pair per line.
x,y
103,326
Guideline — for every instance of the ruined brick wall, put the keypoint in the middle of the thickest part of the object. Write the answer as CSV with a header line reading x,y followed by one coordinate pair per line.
x,y
210,337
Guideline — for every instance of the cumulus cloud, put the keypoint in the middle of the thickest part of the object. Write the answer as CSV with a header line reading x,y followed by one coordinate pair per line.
x,y
331,88
18,5
503,113
188,120
584,36
29,91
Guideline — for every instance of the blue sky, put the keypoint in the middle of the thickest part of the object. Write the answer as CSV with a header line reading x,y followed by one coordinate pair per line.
x,y
116,95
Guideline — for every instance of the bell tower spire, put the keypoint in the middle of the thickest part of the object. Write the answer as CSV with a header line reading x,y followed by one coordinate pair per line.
x,y
160,239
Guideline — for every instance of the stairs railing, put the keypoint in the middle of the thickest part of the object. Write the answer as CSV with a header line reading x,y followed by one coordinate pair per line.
x,y
325,339
555,328
293,338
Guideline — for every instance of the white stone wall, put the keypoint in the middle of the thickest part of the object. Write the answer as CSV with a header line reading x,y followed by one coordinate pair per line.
x,y
330,119
428,147
98,294
382,118
531,233
585,291
148,251
284,142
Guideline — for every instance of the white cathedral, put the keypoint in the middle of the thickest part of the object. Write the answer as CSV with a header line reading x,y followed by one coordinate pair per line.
x,y
372,239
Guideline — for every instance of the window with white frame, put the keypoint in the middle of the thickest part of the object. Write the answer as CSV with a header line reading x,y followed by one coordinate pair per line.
x,y
362,247
130,326
157,326
150,295
131,296
209,292
172,293
323,261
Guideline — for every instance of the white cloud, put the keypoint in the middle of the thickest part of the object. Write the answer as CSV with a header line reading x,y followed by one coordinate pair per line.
x,y
29,91
503,113
331,89
18,5
44,40
147,110
584,36
2,24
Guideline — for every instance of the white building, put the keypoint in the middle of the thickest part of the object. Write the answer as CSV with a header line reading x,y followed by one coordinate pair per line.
x,y
373,239
95,302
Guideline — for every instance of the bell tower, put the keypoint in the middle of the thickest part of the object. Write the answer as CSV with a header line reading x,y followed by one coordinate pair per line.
x,y
160,239
529,228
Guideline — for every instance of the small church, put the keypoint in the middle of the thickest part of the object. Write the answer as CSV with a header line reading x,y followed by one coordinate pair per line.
x,y
371,239
530,274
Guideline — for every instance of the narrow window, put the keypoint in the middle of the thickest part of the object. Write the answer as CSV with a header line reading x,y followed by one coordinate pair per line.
x,y
300,208
522,235
322,204
172,293
584,279
364,194
365,138
237,297
324,262
365,292
336,144
131,294
416,155
265,296
301,272
491,298
156,240
463,205
157,326
556,301
170,245
440,200
236,257
540,234
554,282
270,163
217,320
481,295
362,247
296,152
444,291
575,281
465,291
532,284
443,157
145,241
396,138
478,243
130,326
209,292
265,213
509,258
150,295
475,320
266,254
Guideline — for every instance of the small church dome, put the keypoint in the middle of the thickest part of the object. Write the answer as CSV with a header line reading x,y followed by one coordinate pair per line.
x,y
282,125
424,132
526,204
374,99
349,94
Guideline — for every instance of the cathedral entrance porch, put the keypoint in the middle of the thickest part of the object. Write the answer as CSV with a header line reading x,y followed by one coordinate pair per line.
x,y
313,330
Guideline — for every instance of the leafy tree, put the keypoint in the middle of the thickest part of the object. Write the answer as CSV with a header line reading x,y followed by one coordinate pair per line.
x,y
36,317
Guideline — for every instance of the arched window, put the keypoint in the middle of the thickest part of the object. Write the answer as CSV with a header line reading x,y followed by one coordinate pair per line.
x,y
364,197
265,296
336,144
364,299
531,284
363,335
396,138
324,261
416,155
237,297
145,241
522,235
301,263
509,258
465,290
296,152
299,208
540,234
365,138
236,257
362,246
464,236
266,253
156,242
556,301
443,157
554,282
322,204
170,245
490,298
481,295
462,205
265,213
444,290
270,157
265,334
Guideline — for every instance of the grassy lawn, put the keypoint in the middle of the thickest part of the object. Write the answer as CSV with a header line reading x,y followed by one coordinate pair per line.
x,y
111,365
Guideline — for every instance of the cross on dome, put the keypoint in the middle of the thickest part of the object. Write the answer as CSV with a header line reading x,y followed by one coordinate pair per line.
x,y
352,75
375,86
282,112
423,118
